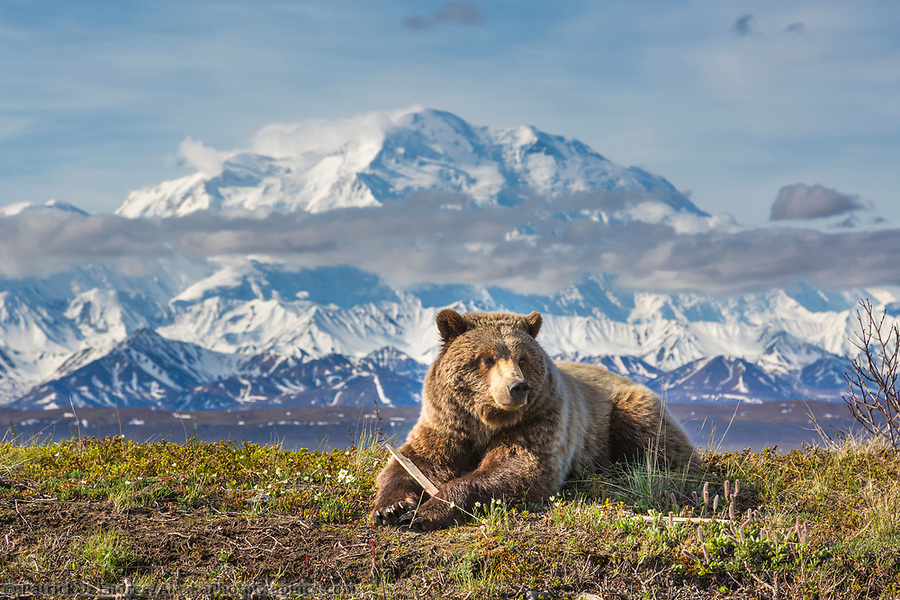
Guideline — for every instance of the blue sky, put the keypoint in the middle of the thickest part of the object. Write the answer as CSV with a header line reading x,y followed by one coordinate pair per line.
x,y
731,100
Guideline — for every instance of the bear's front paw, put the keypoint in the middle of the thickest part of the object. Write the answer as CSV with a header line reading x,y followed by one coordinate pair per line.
x,y
392,515
434,514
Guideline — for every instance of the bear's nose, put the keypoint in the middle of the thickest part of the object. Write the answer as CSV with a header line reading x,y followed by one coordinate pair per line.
x,y
518,390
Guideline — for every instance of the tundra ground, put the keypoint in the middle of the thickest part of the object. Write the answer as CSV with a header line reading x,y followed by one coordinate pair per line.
x,y
107,517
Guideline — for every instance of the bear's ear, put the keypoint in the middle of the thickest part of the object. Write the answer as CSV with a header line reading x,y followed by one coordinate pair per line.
x,y
533,323
450,324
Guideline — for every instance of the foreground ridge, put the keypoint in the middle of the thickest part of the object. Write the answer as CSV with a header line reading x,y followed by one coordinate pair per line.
x,y
244,517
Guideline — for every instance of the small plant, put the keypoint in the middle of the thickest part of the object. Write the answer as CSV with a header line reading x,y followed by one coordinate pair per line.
x,y
882,514
567,514
123,495
335,510
195,495
366,448
12,456
873,398
471,575
647,485
105,556
494,517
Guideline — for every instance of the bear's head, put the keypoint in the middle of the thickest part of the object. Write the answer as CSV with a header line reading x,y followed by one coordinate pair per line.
x,y
490,364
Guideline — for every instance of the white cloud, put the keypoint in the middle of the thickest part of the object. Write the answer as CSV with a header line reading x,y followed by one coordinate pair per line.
x,y
204,159
321,137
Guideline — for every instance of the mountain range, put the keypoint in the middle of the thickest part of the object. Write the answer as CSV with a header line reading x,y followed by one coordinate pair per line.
x,y
226,331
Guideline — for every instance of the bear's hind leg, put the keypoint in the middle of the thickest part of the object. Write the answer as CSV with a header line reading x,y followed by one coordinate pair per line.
x,y
639,422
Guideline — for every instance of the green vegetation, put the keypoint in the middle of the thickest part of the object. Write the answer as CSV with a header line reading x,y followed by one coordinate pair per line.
x,y
103,556
111,516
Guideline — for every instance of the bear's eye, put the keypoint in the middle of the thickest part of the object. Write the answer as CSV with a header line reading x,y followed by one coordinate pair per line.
x,y
487,361
522,362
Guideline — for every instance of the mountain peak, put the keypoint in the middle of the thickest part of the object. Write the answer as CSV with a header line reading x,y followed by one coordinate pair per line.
x,y
49,207
371,159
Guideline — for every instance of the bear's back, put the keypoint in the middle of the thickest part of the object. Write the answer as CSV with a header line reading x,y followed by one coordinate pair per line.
x,y
588,393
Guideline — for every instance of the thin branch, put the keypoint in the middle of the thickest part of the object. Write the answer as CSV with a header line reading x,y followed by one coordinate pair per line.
x,y
872,381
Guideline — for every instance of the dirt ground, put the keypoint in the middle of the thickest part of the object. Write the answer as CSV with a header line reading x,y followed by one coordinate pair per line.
x,y
178,547
203,553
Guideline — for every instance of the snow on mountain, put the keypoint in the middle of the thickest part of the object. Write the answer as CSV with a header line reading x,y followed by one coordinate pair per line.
x,y
630,366
232,332
49,207
385,377
824,378
318,166
722,379
6,365
147,370
273,330
244,313
783,351
58,322
143,370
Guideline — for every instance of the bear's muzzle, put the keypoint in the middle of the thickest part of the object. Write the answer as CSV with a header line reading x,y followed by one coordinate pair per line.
x,y
509,389
518,391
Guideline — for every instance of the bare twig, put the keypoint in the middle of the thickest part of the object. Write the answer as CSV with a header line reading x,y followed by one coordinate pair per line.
x,y
873,398
672,519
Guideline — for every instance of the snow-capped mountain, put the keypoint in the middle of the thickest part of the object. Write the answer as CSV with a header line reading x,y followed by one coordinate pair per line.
x,y
147,370
49,207
266,335
382,158
231,332
820,378
723,379
631,366
143,369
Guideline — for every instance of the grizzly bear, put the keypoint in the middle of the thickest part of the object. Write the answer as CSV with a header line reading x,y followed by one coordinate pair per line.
x,y
501,420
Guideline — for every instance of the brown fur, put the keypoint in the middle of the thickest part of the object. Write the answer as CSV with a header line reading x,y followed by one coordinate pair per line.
x,y
501,420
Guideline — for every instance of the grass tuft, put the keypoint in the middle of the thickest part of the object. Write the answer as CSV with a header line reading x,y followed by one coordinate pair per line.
x,y
103,556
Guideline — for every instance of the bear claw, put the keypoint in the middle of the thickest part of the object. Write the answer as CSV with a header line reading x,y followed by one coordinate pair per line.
x,y
392,515
414,522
